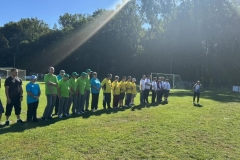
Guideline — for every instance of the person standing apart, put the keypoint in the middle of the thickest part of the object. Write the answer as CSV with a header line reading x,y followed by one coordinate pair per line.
x,y
166,90
63,94
51,84
128,91
197,90
33,94
59,77
1,106
116,92
134,91
106,86
142,89
81,85
154,89
73,93
147,88
95,89
87,92
122,91
14,95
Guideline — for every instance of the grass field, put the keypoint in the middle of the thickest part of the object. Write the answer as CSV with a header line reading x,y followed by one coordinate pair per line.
x,y
177,130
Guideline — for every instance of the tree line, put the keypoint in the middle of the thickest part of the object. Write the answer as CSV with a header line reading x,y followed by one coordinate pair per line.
x,y
197,39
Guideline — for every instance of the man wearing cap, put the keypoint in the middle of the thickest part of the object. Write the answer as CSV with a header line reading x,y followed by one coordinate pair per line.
x,y
59,77
33,94
106,86
81,86
63,94
51,84
87,92
14,95
73,93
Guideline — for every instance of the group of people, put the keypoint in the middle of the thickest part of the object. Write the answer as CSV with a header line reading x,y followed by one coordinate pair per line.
x,y
64,91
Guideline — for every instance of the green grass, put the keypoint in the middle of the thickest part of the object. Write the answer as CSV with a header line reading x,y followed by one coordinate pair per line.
x,y
177,130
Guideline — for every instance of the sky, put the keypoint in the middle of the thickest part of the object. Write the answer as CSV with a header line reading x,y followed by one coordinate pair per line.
x,y
49,10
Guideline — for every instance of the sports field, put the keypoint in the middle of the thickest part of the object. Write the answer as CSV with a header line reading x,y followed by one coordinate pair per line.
x,y
177,130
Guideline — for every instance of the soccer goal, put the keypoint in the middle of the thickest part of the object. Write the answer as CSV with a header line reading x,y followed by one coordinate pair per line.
x,y
174,80
5,72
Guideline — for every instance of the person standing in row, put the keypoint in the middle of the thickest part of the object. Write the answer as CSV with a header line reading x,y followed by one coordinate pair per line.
x,y
63,94
73,93
142,89
134,91
51,84
81,85
128,91
106,85
161,89
59,77
116,92
147,88
122,85
197,90
166,90
1,106
95,89
87,92
154,89
33,94
14,95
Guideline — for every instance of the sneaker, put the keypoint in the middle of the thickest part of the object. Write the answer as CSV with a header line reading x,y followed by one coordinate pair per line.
x,y
96,110
50,117
44,119
109,108
7,123
79,113
59,116
20,121
66,115
82,111
69,115
35,120
92,110
86,110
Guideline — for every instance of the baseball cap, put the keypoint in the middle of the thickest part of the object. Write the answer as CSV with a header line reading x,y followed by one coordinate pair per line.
x,y
83,74
66,75
33,77
62,72
88,70
75,74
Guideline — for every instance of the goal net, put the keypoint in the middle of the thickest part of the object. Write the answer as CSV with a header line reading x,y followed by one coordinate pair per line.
x,y
6,72
174,80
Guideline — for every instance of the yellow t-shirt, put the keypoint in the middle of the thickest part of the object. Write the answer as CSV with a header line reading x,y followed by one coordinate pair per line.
x,y
116,87
129,87
122,86
106,84
134,90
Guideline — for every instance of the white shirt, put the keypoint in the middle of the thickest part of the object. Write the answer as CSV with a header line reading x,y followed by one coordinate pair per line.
x,y
154,86
167,86
142,84
197,87
148,82
162,84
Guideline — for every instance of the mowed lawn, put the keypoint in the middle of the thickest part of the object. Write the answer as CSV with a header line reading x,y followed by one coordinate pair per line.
x,y
177,130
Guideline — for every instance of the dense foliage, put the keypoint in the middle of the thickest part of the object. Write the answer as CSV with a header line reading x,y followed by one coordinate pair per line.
x,y
198,39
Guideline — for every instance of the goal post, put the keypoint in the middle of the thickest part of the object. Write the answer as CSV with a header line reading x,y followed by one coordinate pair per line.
x,y
5,72
174,79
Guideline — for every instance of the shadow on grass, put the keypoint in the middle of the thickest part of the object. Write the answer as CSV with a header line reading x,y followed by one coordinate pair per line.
x,y
216,95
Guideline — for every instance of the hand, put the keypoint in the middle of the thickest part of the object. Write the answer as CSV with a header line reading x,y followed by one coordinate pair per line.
x,y
8,100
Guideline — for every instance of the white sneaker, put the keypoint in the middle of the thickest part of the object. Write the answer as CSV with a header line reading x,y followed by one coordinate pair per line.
x,y
66,115
59,116
92,110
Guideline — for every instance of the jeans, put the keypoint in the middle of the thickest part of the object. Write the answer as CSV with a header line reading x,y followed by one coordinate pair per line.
x,y
51,99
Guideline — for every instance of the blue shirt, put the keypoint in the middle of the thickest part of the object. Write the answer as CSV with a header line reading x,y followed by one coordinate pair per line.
x,y
59,77
95,82
34,89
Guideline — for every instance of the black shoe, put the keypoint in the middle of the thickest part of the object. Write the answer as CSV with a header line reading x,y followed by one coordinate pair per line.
x,y
86,110
20,121
109,108
7,123
83,111
49,117
35,120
